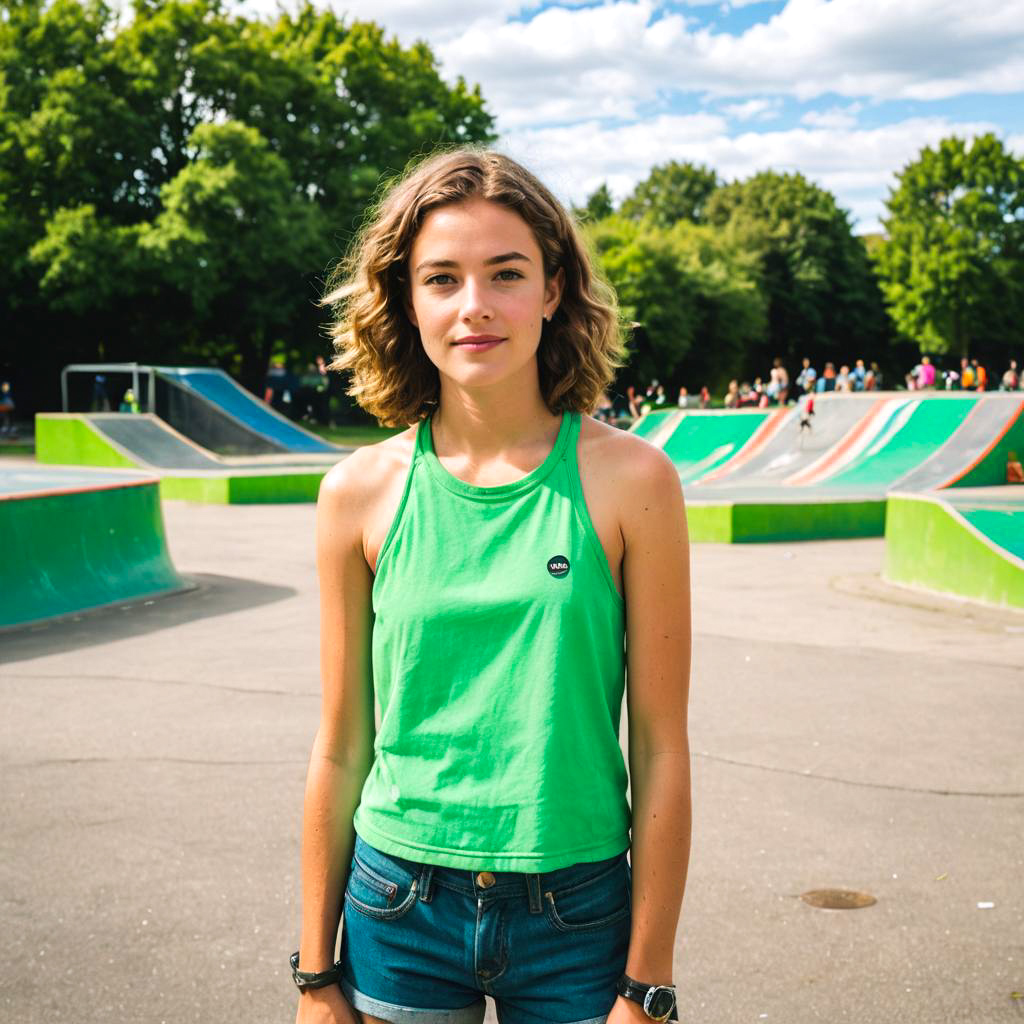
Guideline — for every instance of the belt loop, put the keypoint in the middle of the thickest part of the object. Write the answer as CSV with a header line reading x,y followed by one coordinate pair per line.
x,y
426,878
533,888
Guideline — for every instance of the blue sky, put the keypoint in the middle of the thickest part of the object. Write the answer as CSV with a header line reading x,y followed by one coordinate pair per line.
x,y
844,91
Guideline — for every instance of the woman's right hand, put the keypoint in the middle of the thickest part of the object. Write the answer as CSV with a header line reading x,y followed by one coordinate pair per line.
x,y
326,1005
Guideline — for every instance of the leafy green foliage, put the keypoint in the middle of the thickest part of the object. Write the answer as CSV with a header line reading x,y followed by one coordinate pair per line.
x,y
952,268
671,193
695,298
174,184
822,297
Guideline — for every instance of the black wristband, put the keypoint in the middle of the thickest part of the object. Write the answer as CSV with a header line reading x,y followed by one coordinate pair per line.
x,y
313,979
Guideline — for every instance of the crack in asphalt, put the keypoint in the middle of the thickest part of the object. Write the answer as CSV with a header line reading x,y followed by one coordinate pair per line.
x,y
854,782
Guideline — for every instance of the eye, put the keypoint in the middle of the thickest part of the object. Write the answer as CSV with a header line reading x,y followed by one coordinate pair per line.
x,y
508,275
439,279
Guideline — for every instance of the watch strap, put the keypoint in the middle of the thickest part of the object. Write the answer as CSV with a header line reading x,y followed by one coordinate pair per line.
x,y
637,991
313,979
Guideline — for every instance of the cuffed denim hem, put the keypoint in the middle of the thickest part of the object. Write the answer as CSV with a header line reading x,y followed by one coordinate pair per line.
x,y
472,1014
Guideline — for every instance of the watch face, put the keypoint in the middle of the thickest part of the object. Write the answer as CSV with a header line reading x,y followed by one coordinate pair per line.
x,y
662,1001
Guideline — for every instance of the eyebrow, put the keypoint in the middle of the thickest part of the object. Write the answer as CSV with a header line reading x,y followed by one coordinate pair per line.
x,y
505,257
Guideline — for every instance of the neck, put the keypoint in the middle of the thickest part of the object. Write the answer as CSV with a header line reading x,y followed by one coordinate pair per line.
x,y
484,422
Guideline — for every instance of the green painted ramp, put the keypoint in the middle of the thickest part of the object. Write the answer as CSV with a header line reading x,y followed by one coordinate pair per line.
x,y
705,440
971,550
80,547
650,422
909,438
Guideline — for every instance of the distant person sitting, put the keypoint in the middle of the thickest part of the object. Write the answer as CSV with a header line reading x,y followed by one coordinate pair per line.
x,y
732,395
843,380
1014,470
705,397
859,375
966,374
827,381
980,375
925,374
684,398
128,402
807,377
1011,378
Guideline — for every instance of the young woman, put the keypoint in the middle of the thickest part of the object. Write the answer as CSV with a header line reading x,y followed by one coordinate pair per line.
x,y
489,574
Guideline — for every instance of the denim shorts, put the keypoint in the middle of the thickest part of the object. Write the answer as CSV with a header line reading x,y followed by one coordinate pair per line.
x,y
423,944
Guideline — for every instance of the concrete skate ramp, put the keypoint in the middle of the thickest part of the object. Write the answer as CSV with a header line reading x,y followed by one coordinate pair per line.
x,y
703,441
964,542
151,442
976,454
787,451
80,539
909,436
217,387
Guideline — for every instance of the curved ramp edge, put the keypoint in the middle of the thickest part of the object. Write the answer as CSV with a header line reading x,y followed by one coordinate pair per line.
x,y
930,544
116,552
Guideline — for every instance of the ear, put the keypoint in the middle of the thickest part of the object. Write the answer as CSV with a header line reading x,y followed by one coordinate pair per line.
x,y
553,288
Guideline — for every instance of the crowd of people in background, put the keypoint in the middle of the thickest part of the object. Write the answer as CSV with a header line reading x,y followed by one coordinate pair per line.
x,y
777,389
971,376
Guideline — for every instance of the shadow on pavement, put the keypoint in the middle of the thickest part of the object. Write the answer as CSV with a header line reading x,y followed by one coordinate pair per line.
x,y
205,595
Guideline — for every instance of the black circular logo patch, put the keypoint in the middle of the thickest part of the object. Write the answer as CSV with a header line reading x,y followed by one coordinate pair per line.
x,y
558,566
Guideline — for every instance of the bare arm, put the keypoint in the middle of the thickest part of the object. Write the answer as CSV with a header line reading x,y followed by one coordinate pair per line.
x,y
656,578
343,749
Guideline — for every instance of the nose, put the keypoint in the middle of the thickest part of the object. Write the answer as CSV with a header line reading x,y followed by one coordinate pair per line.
x,y
475,304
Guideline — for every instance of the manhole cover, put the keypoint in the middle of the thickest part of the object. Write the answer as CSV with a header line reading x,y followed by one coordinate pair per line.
x,y
838,899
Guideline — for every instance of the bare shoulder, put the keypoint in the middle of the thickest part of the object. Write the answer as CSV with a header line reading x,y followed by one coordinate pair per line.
x,y
633,466
360,494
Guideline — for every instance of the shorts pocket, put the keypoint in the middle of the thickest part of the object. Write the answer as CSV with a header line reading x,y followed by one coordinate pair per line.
x,y
383,891
596,902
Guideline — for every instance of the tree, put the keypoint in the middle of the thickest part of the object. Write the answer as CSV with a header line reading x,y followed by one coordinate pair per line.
x,y
670,193
952,267
822,297
695,299
175,185
599,205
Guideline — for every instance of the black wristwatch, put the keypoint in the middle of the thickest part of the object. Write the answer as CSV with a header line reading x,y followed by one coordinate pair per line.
x,y
659,1001
313,979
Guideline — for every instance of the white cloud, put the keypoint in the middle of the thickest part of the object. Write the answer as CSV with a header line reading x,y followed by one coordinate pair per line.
x,y
761,109
833,117
858,166
917,49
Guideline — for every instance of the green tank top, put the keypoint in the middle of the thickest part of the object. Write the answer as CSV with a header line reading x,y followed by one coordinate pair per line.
x,y
498,663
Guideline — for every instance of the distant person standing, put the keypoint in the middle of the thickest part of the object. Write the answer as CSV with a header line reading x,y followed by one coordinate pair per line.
x,y
683,399
780,380
827,380
980,375
966,375
100,399
6,409
926,374
859,375
279,387
705,397
1011,378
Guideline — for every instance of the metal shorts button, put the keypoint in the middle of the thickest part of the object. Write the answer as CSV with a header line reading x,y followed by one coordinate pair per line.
x,y
485,879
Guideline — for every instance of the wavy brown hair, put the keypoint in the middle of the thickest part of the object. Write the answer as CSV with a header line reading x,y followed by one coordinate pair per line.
x,y
376,343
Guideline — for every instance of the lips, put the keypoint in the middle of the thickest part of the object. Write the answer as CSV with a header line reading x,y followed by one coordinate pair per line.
x,y
478,339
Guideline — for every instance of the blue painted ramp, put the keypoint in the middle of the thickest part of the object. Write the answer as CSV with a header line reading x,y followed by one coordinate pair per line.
x,y
231,398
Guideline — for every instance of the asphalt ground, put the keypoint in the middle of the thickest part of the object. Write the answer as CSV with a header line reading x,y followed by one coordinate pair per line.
x,y
845,733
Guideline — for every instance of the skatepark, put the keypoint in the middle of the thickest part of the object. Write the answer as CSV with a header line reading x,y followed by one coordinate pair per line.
x,y
856,700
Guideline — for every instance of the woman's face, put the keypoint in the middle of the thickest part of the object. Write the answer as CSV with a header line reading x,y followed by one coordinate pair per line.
x,y
477,292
